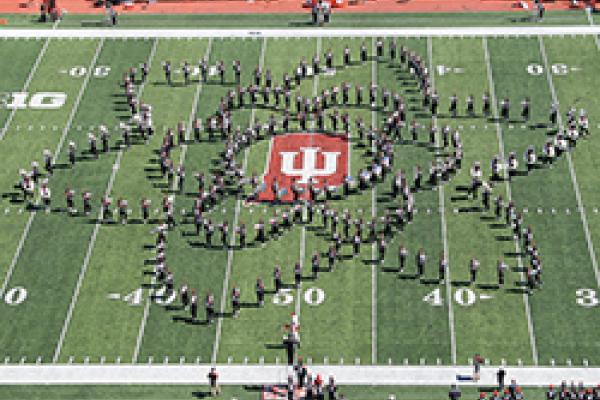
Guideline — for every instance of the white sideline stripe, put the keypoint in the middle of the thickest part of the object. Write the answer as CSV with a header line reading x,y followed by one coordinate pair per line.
x,y
374,215
530,327
142,329
236,217
443,224
591,21
17,254
525,31
586,229
92,243
271,374
25,86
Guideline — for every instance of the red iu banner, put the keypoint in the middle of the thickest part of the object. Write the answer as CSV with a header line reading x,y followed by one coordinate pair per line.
x,y
302,157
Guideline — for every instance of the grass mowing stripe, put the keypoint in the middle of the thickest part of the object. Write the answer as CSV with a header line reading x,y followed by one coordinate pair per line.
x,y
26,86
492,87
442,210
92,242
315,92
478,328
580,208
235,223
182,155
54,158
374,215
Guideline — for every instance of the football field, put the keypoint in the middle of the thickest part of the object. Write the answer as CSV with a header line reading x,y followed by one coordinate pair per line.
x,y
75,290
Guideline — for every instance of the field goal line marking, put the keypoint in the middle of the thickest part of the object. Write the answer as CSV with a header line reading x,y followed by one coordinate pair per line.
x,y
182,155
21,244
586,229
374,65
444,227
491,31
92,243
492,88
236,217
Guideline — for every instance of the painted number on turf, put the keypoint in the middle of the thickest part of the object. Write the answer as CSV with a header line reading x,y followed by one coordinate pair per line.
x,y
79,71
557,69
312,296
161,298
463,296
434,298
586,298
134,298
38,101
15,296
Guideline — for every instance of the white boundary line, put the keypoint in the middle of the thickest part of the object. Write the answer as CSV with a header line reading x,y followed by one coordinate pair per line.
x,y
586,229
374,65
142,329
65,131
525,31
530,327
271,374
235,222
92,243
25,86
443,224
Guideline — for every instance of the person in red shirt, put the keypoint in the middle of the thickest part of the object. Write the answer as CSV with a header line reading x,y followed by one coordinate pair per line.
x,y
213,375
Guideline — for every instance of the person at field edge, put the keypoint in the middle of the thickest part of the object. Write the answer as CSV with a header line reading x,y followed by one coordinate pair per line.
x,y
454,393
213,376
477,361
500,375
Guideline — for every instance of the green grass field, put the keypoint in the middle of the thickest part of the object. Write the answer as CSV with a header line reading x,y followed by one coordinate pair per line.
x,y
56,304
228,392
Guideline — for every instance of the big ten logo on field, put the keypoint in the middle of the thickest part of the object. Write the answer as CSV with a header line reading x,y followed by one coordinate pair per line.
x,y
302,157
35,101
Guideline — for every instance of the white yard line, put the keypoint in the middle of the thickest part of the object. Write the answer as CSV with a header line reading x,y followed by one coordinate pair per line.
x,y
92,243
586,229
277,374
26,86
373,215
419,32
304,212
57,150
530,326
235,222
591,21
142,328
443,224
